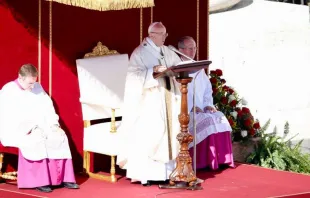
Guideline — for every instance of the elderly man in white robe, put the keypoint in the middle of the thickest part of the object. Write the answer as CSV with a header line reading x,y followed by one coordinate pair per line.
x,y
151,107
28,121
213,138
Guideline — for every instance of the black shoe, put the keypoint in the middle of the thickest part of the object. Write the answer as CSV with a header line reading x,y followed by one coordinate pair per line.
x,y
148,183
71,185
45,189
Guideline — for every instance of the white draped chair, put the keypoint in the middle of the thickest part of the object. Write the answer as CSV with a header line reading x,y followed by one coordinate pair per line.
x,y
101,76
7,150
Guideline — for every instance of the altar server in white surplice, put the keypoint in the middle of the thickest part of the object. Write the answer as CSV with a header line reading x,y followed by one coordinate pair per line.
x,y
28,121
151,107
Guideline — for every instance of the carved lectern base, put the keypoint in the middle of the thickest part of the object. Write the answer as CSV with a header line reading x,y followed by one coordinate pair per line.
x,y
181,185
183,173
183,176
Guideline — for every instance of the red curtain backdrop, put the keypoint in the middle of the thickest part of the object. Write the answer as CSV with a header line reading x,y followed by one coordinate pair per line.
x,y
75,31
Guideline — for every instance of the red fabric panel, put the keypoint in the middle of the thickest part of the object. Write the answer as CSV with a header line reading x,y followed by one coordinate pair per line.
x,y
75,32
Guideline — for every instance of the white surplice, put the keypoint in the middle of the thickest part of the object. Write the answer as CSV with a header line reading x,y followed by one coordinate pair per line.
x,y
32,111
207,123
144,129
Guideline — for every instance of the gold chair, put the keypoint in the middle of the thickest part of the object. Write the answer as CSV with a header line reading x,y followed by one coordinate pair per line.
x,y
101,76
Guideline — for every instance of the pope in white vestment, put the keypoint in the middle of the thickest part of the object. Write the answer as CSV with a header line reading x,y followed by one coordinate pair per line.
x,y
151,108
29,122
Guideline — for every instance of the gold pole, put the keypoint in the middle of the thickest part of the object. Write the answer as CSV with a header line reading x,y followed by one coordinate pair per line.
x,y
197,29
141,25
151,14
208,35
50,45
39,41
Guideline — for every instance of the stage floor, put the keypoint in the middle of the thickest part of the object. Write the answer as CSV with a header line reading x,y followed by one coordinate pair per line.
x,y
242,181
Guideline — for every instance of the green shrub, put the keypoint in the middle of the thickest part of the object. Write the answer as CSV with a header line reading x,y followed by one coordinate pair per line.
x,y
275,152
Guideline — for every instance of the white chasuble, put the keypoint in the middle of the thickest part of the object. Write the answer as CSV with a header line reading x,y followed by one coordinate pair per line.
x,y
27,120
149,126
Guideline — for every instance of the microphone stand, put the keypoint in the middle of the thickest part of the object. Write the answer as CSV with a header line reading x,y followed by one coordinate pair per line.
x,y
195,129
178,52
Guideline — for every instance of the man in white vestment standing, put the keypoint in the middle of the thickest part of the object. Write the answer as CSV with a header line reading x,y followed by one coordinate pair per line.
x,y
213,131
29,122
150,113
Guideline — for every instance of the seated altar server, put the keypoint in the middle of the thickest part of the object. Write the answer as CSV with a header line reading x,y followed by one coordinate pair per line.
x,y
28,121
150,113
213,138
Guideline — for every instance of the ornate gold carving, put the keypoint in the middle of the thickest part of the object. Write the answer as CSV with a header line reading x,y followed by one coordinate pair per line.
x,y
184,118
100,50
184,171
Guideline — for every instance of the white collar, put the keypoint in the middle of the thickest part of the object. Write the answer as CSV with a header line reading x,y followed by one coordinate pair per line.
x,y
152,44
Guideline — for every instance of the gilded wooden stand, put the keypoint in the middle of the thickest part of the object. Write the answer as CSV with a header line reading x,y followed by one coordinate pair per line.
x,y
183,173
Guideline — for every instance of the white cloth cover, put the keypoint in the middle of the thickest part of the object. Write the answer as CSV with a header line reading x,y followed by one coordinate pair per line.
x,y
22,112
102,82
99,139
145,151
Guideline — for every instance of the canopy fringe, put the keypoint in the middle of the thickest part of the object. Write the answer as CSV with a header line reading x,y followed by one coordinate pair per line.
x,y
104,5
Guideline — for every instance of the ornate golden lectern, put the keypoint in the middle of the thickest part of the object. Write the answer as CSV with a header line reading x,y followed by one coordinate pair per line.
x,y
184,170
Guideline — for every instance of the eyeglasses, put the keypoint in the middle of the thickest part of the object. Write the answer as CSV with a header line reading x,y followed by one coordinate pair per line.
x,y
161,33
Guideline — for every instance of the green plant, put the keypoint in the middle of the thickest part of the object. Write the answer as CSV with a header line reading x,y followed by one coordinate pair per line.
x,y
276,152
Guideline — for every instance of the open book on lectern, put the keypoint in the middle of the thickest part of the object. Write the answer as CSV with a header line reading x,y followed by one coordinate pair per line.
x,y
185,66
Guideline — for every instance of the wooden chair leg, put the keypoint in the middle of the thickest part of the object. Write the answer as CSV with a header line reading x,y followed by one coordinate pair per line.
x,y
112,171
1,162
86,167
86,162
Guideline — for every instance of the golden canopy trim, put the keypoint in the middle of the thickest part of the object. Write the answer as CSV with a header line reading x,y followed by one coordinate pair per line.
x,y
100,50
104,5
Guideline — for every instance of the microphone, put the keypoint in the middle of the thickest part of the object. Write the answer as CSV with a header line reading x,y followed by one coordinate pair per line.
x,y
178,52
